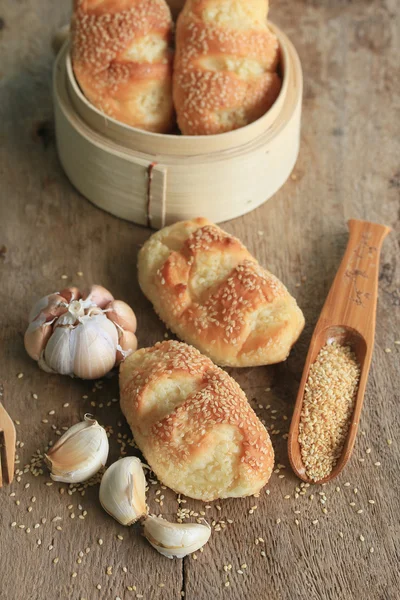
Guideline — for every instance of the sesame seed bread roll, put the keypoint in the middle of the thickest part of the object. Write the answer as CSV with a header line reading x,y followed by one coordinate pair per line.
x,y
225,65
122,61
194,424
212,293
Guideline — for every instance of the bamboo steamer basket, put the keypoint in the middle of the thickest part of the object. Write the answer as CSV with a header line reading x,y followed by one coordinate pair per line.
x,y
156,179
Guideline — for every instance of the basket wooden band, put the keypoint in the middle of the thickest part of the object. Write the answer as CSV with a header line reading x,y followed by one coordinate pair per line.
x,y
156,195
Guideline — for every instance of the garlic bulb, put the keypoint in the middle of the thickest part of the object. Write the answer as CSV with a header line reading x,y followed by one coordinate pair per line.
x,y
80,335
175,539
79,453
123,490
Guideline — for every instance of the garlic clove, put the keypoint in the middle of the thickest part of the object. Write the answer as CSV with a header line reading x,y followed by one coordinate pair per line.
x,y
98,295
52,305
79,453
175,540
36,338
123,490
126,345
121,314
93,346
70,294
57,354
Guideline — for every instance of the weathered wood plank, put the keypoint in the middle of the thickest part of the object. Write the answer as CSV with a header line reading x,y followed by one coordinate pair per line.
x,y
348,167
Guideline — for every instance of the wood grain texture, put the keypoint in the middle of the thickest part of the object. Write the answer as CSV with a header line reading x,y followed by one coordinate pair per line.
x,y
348,168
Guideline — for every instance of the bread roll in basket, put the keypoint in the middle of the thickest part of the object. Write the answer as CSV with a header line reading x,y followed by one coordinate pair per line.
x,y
157,179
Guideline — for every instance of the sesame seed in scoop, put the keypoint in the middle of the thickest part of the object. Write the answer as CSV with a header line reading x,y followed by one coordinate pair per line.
x,y
329,399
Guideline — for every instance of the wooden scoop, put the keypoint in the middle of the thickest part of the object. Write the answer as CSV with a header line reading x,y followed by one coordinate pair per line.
x,y
348,317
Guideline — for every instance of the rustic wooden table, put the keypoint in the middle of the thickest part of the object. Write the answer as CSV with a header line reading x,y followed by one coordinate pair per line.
x,y
50,236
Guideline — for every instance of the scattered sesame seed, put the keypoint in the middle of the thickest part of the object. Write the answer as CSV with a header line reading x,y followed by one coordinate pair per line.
x,y
362,538
20,375
377,464
371,550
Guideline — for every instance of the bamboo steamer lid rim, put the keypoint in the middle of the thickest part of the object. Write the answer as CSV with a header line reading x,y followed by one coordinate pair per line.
x,y
198,147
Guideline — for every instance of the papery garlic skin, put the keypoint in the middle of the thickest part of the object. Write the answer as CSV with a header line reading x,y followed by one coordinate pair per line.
x,y
52,305
123,490
80,335
80,453
175,540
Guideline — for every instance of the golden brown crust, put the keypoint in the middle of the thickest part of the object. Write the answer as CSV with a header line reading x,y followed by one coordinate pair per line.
x,y
211,292
201,437
122,61
225,65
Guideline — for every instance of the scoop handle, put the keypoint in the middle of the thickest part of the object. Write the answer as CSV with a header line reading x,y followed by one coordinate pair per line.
x,y
353,296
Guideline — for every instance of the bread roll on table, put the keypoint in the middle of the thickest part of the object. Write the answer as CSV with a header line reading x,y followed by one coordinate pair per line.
x,y
210,291
225,65
193,423
122,61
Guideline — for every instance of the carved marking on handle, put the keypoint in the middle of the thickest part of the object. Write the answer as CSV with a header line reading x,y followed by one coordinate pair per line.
x,y
355,274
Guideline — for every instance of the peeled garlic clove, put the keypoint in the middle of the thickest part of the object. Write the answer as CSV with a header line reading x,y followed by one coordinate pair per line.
x,y
99,295
127,344
79,453
121,314
123,490
70,294
175,539
94,343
